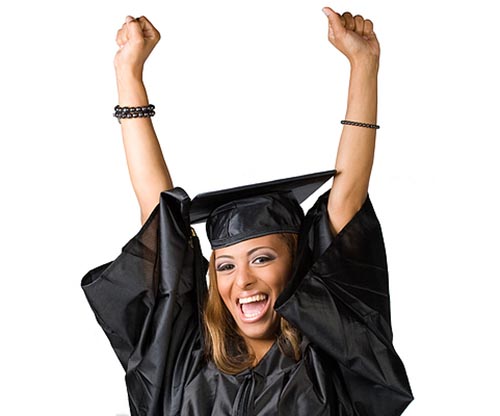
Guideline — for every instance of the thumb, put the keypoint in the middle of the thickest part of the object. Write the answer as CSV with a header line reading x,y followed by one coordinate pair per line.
x,y
335,21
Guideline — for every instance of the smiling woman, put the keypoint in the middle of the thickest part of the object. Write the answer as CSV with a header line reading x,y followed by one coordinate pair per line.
x,y
296,318
247,278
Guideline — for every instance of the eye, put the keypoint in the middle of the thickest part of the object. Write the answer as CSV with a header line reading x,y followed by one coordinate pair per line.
x,y
224,267
262,259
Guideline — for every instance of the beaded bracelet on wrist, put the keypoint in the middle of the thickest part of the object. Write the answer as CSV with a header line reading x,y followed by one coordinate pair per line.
x,y
134,112
359,124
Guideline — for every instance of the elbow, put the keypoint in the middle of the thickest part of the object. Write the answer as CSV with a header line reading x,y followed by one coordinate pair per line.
x,y
343,206
145,213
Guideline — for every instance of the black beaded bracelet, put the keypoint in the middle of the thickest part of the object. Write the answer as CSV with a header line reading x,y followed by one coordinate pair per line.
x,y
359,124
134,112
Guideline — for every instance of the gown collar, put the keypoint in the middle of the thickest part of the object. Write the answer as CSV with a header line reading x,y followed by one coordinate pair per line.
x,y
273,361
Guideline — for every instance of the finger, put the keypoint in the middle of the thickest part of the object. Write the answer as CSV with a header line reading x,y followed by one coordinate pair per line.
x,y
359,24
349,20
121,37
122,34
149,31
368,28
134,31
336,25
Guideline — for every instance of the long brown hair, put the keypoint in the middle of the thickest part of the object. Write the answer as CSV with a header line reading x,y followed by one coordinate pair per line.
x,y
223,344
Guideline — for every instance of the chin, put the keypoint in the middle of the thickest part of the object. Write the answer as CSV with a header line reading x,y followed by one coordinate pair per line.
x,y
260,331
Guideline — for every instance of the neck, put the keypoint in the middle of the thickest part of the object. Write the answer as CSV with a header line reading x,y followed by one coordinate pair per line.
x,y
259,347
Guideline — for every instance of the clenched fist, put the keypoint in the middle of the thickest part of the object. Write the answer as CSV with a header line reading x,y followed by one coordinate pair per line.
x,y
353,36
136,39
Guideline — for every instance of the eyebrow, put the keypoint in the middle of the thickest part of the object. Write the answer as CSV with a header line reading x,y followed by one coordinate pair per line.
x,y
249,253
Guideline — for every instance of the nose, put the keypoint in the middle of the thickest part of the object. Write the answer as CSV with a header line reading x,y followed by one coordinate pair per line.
x,y
245,277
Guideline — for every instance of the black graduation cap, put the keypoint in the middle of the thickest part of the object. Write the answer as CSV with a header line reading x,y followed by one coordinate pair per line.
x,y
237,214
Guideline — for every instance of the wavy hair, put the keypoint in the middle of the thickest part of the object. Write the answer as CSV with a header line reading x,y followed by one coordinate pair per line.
x,y
223,344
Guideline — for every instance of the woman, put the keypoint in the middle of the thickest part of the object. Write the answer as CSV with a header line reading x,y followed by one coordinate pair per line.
x,y
296,320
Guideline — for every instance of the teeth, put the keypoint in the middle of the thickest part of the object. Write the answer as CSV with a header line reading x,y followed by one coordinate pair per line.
x,y
252,315
255,298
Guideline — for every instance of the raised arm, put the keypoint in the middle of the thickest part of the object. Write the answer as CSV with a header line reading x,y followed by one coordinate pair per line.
x,y
354,37
147,168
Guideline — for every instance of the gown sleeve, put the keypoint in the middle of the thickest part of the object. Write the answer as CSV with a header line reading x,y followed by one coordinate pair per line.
x,y
147,301
339,299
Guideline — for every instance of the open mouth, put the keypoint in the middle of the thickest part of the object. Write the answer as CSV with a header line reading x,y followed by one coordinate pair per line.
x,y
253,307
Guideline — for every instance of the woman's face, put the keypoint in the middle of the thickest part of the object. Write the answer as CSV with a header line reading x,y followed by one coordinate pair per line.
x,y
250,277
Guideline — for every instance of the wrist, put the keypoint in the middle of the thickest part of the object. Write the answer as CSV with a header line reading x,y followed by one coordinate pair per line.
x,y
128,74
367,66
131,92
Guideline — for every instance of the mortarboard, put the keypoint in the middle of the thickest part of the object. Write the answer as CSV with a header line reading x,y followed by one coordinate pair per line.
x,y
237,214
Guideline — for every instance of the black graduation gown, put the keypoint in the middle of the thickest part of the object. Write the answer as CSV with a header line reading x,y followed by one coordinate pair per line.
x,y
148,303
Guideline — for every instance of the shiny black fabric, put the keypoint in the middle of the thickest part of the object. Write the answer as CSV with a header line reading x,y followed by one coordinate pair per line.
x,y
301,187
253,217
147,302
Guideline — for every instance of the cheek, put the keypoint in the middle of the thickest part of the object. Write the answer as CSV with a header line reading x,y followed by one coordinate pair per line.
x,y
283,281
279,278
224,288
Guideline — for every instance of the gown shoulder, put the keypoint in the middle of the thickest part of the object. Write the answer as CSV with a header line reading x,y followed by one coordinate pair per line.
x,y
338,297
148,303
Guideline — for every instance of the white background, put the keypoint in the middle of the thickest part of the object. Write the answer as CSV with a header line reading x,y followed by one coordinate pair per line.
x,y
245,92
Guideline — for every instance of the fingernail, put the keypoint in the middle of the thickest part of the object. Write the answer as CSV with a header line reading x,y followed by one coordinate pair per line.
x,y
326,11
129,19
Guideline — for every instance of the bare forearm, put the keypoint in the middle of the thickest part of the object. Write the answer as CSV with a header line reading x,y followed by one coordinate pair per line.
x,y
357,144
147,168
354,37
